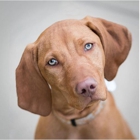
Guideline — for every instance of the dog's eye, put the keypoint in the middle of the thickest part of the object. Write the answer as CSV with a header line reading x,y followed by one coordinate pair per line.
x,y
53,62
88,46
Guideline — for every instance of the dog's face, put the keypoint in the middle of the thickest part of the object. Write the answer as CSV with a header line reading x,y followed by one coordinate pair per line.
x,y
69,54
73,57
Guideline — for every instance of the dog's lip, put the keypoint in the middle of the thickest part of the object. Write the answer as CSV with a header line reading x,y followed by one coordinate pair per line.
x,y
85,102
89,102
89,109
82,105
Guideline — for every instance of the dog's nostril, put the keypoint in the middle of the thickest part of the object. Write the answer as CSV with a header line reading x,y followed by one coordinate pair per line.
x,y
92,87
83,91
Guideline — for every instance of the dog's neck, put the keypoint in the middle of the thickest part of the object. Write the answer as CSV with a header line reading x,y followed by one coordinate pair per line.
x,y
82,120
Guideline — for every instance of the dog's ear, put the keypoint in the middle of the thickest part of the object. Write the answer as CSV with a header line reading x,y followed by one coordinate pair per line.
x,y
116,41
33,91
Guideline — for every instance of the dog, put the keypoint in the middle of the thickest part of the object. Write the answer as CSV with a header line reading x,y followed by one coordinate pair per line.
x,y
61,77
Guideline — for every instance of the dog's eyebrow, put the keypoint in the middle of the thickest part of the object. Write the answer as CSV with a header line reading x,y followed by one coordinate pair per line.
x,y
83,40
80,41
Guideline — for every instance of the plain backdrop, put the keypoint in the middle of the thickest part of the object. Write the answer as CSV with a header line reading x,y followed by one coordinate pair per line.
x,y
22,22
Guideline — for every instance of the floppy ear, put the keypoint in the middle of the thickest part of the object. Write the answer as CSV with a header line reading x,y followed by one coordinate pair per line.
x,y
116,41
33,91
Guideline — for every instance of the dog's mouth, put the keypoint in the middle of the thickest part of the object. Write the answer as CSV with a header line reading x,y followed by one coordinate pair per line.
x,y
82,111
92,105
83,103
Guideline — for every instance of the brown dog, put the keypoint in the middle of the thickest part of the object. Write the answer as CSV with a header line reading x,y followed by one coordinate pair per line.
x,y
61,76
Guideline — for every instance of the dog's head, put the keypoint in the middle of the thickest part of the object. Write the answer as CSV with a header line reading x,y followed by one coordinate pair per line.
x,y
73,57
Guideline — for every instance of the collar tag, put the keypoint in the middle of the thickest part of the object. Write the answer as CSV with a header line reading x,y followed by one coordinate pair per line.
x,y
73,122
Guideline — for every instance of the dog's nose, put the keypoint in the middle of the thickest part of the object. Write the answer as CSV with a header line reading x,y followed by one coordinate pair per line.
x,y
86,88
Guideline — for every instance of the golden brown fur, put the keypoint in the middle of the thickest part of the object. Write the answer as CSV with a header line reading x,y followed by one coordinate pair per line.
x,y
65,41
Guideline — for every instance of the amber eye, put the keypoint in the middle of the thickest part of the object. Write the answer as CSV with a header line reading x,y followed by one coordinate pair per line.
x,y
88,46
52,62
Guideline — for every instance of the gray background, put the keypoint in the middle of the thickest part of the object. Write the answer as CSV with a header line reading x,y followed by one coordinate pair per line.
x,y
22,22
